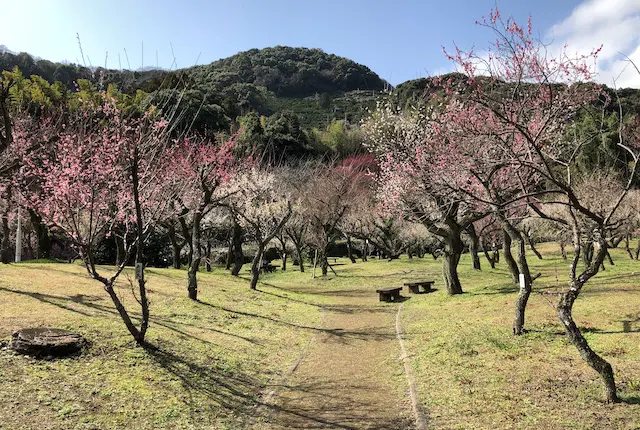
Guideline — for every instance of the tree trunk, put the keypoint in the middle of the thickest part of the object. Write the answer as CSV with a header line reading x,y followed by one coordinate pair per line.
x,y
626,246
192,280
600,365
524,291
140,261
324,263
532,245
255,266
451,257
238,255
588,253
563,250
120,251
365,250
349,251
299,253
5,245
42,235
283,250
473,249
489,258
609,258
123,313
508,257
175,246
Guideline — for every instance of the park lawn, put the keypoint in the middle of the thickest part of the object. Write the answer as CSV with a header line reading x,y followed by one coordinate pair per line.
x,y
215,359
211,363
472,373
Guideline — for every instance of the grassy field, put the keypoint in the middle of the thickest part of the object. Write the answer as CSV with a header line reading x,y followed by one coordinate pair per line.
x,y
212,361
473,374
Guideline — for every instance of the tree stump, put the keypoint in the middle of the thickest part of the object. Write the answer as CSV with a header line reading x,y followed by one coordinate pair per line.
x,y
44,342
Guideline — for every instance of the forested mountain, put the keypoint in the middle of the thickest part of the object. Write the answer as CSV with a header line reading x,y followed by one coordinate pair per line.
x,y
288,72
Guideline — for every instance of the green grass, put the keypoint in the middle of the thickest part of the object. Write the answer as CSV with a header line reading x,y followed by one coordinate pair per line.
x,y
472,373
212,360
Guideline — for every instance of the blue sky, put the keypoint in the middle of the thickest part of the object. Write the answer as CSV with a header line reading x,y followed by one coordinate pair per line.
x,y
399,40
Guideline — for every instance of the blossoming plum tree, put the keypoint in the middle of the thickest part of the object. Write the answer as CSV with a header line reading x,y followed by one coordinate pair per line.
x,y
89,170
522,100
197,170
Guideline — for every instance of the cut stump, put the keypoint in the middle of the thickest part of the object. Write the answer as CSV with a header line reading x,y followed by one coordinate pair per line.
x,y
45,342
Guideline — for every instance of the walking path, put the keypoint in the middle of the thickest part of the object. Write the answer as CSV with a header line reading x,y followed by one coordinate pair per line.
x,y
352,375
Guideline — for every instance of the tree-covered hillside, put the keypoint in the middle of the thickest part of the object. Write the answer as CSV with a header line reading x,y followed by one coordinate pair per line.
x,y
288,72
317,87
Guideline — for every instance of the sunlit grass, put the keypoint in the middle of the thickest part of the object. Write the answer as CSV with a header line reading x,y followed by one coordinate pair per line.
x,y
212,359
473,373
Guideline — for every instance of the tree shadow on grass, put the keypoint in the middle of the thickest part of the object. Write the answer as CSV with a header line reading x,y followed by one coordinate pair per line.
x,y
496,291
341,403
91,302
54,300
631,400
288,298
343,334
233,391
238,393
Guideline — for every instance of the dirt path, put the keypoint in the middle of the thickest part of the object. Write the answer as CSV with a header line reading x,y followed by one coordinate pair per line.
x,y
351,376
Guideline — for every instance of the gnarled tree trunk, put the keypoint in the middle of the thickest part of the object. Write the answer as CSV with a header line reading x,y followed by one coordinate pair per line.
x,y
299,254
255,267
525,289
176,248
490,258
532,245
349,249
208,256
238,255
5,245
42,235
563,250
453,247
324,263
196,256
508,257
473,249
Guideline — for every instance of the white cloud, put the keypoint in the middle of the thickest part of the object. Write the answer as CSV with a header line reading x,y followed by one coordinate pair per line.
x,y
614,24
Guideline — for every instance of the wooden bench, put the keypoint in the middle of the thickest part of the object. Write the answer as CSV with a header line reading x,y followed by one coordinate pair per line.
x,y
389,294
414,286
270,267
